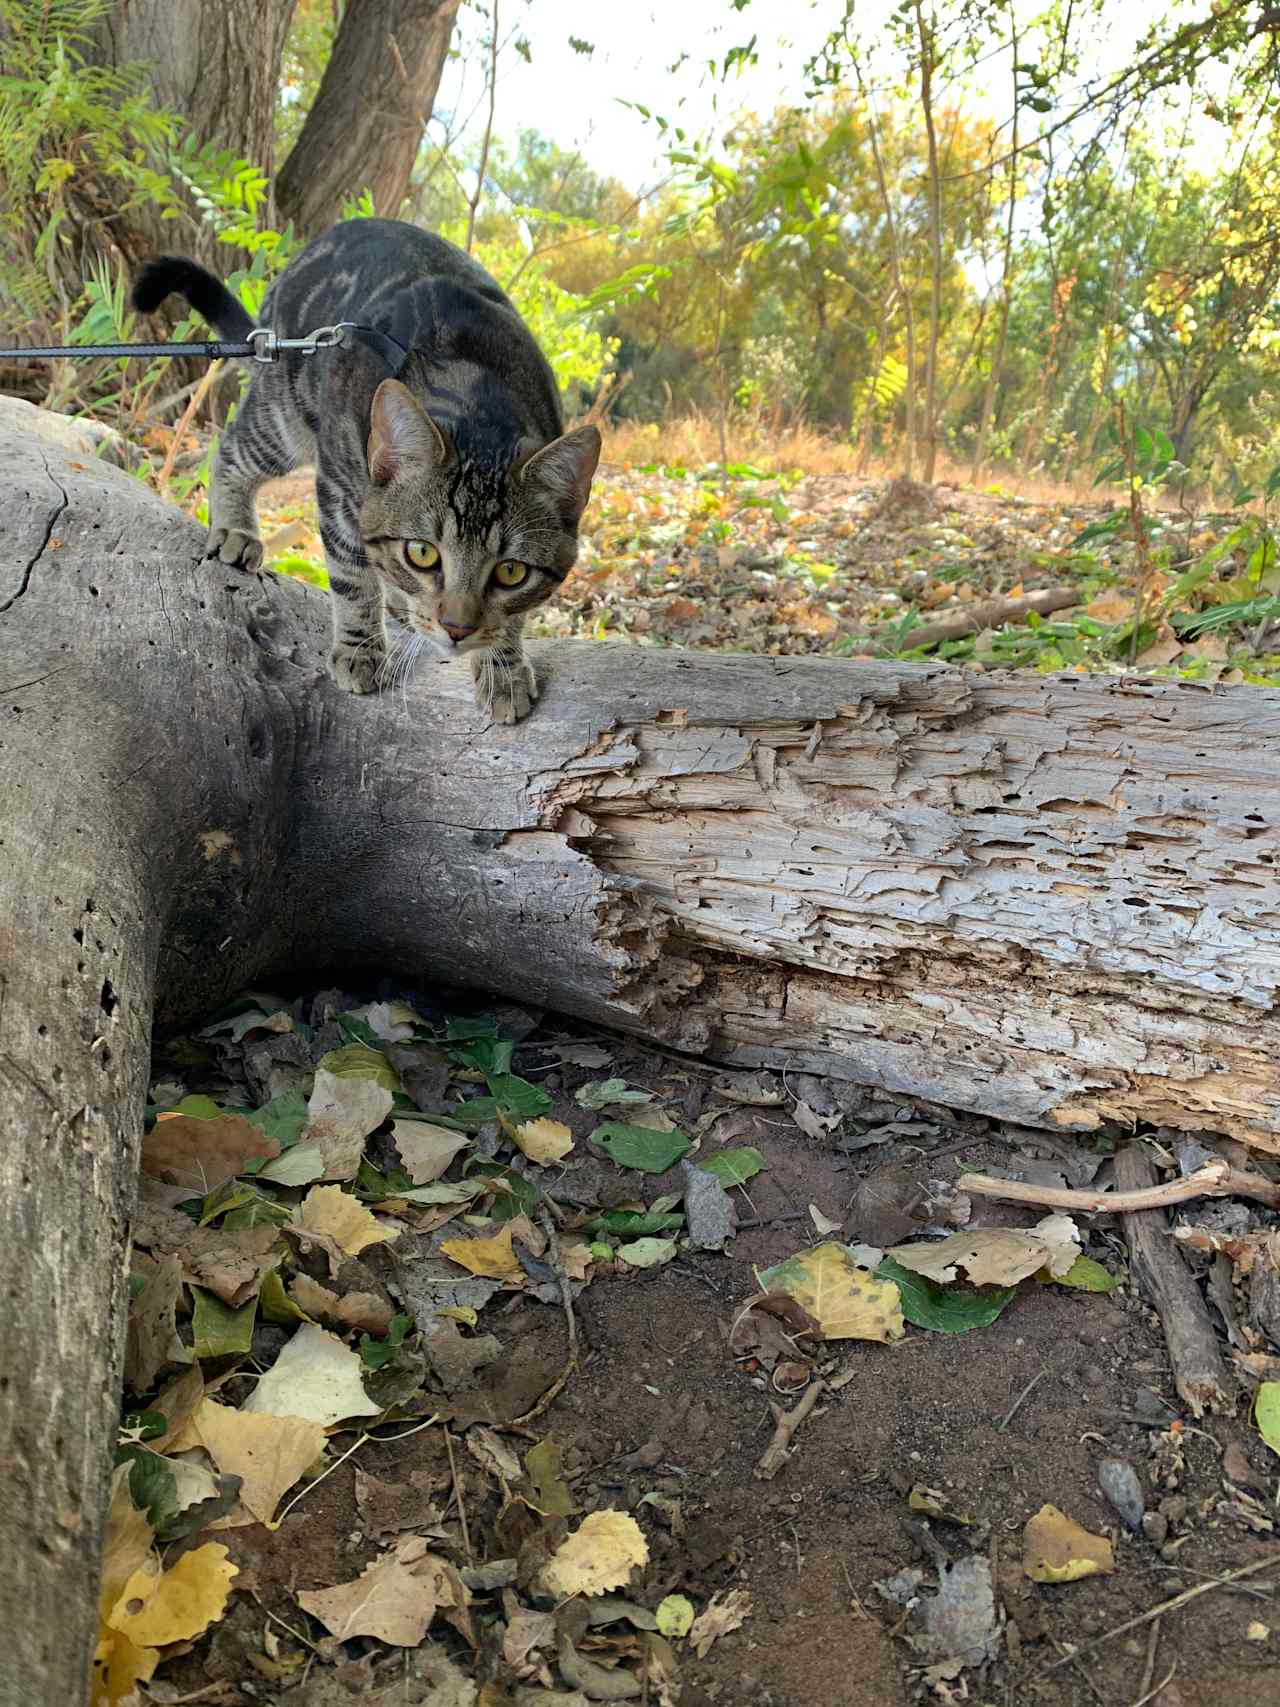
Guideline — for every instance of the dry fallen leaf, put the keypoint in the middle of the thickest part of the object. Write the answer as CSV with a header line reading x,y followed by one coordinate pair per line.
x,y
315,1377
723,1614
846,1301
492,1257
543,1140
995,1256
600,1555
328,1210
152,1342
158,1607
341,1114
426,1149
394,1599
204,1154
268,1453
1056,1550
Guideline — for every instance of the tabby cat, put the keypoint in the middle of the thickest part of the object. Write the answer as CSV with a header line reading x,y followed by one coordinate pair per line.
x,y
448,491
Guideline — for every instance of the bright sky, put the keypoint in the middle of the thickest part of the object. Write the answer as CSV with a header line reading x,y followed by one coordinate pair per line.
x,y
657,52
578,100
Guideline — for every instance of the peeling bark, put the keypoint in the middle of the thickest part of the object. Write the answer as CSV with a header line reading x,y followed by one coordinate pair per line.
x,y
1048,899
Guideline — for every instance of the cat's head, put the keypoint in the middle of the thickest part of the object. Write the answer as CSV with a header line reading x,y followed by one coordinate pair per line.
x,y
469,541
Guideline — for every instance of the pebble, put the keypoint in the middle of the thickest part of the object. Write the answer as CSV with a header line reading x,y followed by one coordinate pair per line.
x,y
1155,1526
1122,1487
1174,1508
1150,1406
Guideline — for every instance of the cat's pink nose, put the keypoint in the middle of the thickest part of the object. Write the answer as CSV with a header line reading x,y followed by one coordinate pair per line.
x,y
457,632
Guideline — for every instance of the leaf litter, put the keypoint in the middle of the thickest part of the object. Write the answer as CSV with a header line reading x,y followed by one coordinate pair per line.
x,y
280,1325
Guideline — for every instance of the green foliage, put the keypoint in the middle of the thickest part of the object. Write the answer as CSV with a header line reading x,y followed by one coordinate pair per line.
x,y
69,132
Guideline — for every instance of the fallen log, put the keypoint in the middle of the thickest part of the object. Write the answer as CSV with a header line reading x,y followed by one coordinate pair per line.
x,y
1048,899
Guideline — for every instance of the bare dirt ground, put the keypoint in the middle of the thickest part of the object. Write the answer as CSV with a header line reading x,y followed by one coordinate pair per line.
x,y
661,1421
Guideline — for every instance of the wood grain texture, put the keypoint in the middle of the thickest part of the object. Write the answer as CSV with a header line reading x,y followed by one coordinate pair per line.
x,y
1048,899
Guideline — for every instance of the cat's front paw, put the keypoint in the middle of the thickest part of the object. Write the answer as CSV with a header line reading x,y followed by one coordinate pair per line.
x,y
358,669
237,549
507,692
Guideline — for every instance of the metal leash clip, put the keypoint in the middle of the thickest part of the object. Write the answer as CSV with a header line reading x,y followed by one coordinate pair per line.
x,y
268,346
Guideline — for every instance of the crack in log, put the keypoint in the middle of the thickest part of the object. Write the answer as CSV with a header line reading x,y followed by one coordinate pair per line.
x,y
29,569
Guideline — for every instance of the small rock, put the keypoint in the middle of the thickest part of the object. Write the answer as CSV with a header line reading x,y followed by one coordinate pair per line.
x,y
1155,1526
1151,1407
1122,1487
1174,1507
1237,1468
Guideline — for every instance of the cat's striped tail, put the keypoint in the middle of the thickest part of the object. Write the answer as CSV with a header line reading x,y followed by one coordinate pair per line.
x,y
206,293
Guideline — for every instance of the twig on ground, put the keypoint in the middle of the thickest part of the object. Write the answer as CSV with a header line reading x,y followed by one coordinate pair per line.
x,y
772,1220
785,1425
1151,1694
457,1496
1178,1601
1021,1399
1215,1179
571,1325
1199,1373
1149,1669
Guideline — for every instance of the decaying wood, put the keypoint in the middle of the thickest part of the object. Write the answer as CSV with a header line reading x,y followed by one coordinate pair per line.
x,y
1052,900
1215,1179
991,613
1199,1373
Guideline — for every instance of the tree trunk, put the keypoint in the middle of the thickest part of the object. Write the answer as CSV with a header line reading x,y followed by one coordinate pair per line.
x,y
927,35
1052,900
218,66
366,125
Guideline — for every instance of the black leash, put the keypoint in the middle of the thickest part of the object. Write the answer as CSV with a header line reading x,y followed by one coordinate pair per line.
x,y
262,345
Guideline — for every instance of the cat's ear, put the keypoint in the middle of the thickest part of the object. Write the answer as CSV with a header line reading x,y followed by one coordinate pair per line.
x,y
401,433
563,470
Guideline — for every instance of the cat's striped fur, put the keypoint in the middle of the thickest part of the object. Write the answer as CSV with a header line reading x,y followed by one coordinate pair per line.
x,y
463,455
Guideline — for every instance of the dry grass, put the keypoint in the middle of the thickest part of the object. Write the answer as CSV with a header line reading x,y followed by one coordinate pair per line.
x,y
693,440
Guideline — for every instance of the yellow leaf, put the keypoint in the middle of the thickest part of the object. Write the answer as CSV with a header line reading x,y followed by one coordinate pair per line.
x,y
493,1257
119,1665
543,1140
394,1599
330,1210
268,1453
157,1608
599,1556
315,1377
1056,1550
847,1302
675,1615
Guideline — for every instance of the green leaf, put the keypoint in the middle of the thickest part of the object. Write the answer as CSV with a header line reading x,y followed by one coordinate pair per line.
x,y
944,1309
199,1108
283,1118
638,1147
635,1222
519,1197
153,1487
608,1093
734,1167
277,1306
358,1030
298,1166
517,1097
378,1353
356,1061
647,1253
1266,1413
438,1191
486,1054
1084,1273
149,1425
1273,482
471,1115
220,1331
243,1205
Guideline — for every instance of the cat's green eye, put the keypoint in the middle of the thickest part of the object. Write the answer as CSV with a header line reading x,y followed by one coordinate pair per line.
x,y
511,574
421,554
